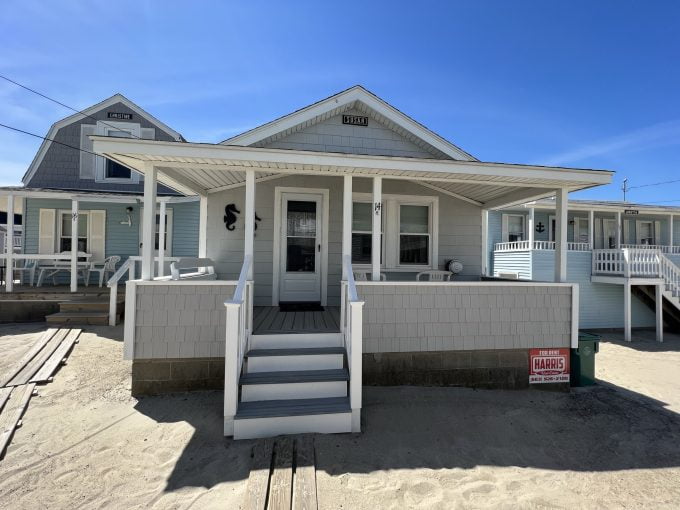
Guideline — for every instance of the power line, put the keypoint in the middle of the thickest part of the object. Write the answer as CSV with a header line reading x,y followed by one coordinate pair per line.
x,y
61,104
48,139
653,184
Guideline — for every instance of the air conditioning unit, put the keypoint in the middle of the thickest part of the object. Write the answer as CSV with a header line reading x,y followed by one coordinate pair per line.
x,y
508,275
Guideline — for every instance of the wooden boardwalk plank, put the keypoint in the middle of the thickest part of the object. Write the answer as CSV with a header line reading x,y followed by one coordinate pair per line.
x,y
60,353
26,373
281,483
13,412
258,481
4,395
40,343
304,491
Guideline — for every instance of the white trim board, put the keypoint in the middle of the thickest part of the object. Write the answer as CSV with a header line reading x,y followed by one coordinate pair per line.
x,y
116,98
276,251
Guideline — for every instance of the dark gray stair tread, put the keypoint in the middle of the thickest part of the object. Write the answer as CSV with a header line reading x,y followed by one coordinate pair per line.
x,y
85,314
301,351
296,376
296,407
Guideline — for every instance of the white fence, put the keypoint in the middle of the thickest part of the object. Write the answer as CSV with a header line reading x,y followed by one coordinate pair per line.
x,y
538,245
628,262
659,247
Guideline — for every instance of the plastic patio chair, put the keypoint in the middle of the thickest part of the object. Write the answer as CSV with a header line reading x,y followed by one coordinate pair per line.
x,y
363,276
436,276
107,266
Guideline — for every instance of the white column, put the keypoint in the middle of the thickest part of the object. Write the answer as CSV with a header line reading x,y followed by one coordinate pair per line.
x,y
530,228
161,239
346,222
618,230
659,312
149,223
203,226
377,225
626,311
74,245
670,232
9,245
561,201
249,226
591,229
485,242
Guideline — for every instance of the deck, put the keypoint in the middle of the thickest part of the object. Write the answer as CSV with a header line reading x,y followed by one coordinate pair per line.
x,y
271,320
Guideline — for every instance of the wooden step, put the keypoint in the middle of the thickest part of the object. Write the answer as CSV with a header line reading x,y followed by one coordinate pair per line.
x,y
294,407
84,306
303,384
295,359
92,318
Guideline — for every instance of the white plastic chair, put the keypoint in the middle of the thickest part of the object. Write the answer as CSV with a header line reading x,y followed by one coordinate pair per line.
x,y
363,276
29,267
108,266
436,276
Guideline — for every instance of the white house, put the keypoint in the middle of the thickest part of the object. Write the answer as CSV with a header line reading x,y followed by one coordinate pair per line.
x,y
334,270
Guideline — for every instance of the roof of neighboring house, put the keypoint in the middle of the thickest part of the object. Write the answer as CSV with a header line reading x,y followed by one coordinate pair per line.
x,y
116,98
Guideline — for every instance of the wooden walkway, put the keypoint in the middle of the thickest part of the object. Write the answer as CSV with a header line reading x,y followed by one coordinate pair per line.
x,y
282,475
271,320
17,386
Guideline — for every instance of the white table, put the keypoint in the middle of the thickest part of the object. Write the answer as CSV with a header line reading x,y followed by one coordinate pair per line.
x,y
64,265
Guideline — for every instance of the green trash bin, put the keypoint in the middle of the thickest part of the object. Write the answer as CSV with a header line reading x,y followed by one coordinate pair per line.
x,y
582,359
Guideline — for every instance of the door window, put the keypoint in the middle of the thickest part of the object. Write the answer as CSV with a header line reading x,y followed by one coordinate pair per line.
x,y
646,233
301,236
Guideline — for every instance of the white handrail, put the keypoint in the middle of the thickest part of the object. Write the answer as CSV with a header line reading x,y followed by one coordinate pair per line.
x,y
670,274
129,267
660,247
239,326
538,245
351,319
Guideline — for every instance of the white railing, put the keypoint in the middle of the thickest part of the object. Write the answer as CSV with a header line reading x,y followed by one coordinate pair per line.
x,y
239,326
660,247
538,245
670,274
351,327
626,262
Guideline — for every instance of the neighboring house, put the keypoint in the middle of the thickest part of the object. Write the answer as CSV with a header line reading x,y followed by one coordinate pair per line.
x,y
62,180
616,251
332,269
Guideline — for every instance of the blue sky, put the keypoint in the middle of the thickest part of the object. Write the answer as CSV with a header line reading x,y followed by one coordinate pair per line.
x,y
578,83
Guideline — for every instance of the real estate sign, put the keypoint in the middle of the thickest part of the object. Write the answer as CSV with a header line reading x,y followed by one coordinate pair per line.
x,y
548,366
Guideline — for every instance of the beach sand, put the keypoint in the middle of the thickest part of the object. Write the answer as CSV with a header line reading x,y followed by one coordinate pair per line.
x,y
86,443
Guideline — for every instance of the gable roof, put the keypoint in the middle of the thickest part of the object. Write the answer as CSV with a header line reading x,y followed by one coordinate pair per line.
x,y
114,99
356,97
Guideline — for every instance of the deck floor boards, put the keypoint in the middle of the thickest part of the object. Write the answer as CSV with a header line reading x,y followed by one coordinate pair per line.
x,y
271,320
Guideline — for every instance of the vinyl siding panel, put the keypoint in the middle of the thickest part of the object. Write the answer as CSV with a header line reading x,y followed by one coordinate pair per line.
x,y
512,261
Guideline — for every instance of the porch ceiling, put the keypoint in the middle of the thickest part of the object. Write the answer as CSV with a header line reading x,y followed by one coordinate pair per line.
x,y
206,168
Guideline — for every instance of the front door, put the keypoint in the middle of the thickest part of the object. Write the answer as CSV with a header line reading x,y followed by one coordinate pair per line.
x,y
609,233
300,254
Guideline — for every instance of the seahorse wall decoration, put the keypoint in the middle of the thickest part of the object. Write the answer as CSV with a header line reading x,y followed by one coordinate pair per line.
x,y
229,216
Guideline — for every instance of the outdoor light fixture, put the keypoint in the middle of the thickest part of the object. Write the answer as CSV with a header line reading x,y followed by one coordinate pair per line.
x,y
128,222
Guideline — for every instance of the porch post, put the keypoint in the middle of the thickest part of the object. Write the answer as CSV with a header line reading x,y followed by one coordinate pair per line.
x,y
203,226
346,222
618,230
561,235
74,245
626,310
659,312
591,229
9,245
149,223
161,239
249,239
485,242
670,233
530,228
377,226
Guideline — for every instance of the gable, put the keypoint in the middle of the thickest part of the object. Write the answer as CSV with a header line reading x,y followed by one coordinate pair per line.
x,y
376,139
319,127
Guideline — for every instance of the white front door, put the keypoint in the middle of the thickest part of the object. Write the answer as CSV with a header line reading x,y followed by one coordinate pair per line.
x,y
301,245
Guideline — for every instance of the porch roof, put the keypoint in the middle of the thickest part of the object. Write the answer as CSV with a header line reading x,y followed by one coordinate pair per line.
x,y
201,168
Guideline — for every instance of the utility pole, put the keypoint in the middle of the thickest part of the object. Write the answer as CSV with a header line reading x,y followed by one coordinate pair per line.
x,y
624,188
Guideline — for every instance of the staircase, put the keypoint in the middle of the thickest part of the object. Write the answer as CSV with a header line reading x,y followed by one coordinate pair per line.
x,y
292,384
671,312
84,311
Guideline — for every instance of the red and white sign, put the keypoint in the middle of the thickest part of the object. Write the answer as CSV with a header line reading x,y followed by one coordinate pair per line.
x,y
548,366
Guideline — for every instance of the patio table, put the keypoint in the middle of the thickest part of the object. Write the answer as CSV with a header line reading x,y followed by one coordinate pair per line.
x,y
57,266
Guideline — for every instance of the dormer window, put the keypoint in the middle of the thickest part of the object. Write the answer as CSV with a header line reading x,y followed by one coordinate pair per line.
x,y
110,171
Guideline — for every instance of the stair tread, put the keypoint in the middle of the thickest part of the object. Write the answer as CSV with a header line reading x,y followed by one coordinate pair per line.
x,y
79,314
295,376
295,351
293,407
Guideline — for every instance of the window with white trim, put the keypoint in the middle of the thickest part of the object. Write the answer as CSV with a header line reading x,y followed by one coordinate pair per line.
x,y
409,231
515,227
645,232
65,229
110,171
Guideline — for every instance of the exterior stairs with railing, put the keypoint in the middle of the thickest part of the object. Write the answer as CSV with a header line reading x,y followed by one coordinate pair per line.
x,y
292,384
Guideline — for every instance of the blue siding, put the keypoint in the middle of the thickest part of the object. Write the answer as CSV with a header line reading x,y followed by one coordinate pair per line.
x,y
185,229
600,304
519,261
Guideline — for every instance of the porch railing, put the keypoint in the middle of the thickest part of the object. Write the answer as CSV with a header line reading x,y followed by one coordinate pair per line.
x,y
627,262
351,327
239,326
538,245
660,247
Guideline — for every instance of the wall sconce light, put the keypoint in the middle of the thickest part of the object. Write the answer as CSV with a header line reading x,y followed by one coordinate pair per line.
x,y
378,205
128,222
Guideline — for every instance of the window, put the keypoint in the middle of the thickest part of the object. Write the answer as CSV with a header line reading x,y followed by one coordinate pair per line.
x,y
362,228
645,232
110,171
515,226
168,231
65,232
408,231
414,234
116,170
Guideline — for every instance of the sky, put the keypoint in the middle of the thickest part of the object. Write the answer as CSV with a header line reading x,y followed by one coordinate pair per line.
x,y
580,83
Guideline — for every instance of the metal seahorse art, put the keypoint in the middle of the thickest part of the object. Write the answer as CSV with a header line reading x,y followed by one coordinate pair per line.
x,y
229,216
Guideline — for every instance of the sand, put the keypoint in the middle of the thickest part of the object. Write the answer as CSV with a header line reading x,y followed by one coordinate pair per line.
x,y
86,443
